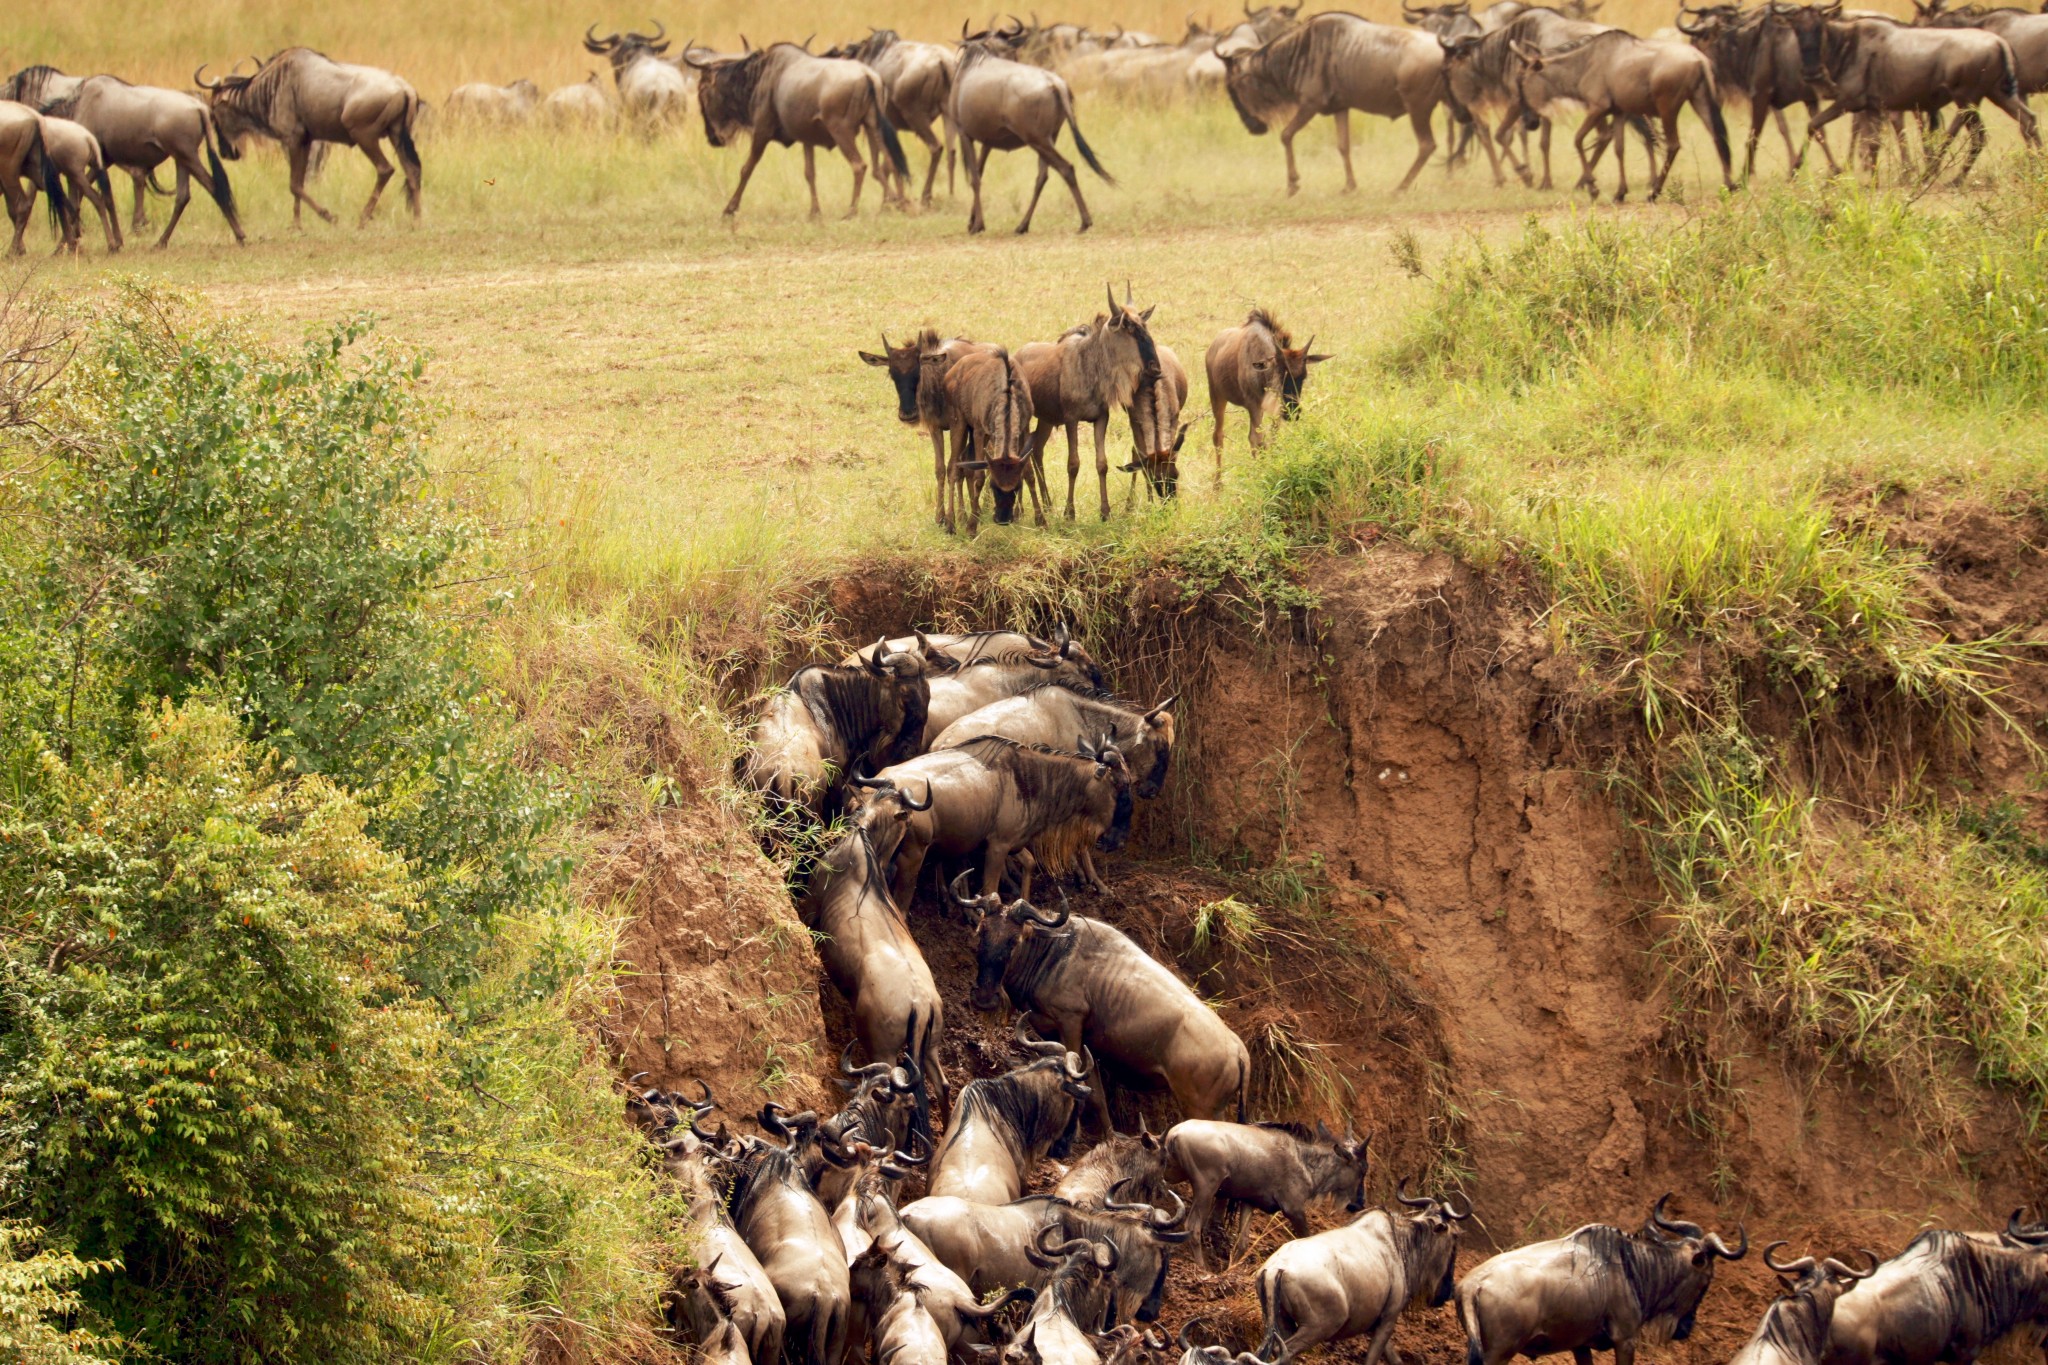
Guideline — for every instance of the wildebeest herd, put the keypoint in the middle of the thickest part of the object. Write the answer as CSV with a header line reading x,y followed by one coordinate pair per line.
x,y
1499,74
998,410
919,1224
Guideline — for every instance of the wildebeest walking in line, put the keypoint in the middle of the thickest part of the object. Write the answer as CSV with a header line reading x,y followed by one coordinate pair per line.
x,y
1756,57
783,94
1003,105
917,79
2024,31
23,162
652,89
1331,65
300,97
1257,367
138,128
73,154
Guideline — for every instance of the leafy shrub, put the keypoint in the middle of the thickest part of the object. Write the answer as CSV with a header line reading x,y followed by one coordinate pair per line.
x,y
38,1289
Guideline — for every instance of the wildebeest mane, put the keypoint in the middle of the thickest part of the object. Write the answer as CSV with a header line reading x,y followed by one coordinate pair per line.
x,y
1294,1130
1016,1112
1653,1275
777,1165
1987,1276
726,91
26,86
1793,1325
844,700
1735,48
1038,957
1494,51
1262,317
1052,780
259,95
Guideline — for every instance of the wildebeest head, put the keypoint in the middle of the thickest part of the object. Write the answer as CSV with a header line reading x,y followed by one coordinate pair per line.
x,y
1810,26
1337,1166
658,1111
902,363
626,48
1111,767
725,93
879,811
1433,1233
1154,750
240,104
1676,1266
1145,1236
1080,1287
884,1104
1294,363
999,930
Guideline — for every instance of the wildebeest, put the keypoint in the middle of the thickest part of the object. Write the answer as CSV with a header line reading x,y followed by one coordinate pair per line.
x,y
2024,31
1123,1167
1756,56
783,94
828,721
996,646
957,1313
1275,1167
1949,1296
1001,105
1592,1287
1483,77
1878,67
139,127
917,370
990,679
582,105
1002,1126
1617,77
867,949
1076,1303
989,401
1332,64
1256,367
652,90
1157,432
299,97
24,162
1355,1280
74,154
1086,376
918,81
1102,991
1045,808
1046,715
1794,1330
792,1235
729,1272
481,102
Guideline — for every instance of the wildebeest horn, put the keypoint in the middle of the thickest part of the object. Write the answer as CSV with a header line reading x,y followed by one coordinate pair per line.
x,y
911,805
1161,1221
1845,1269
1800,1266
716,1139
875,656
1714,1244
1114,308
1021,910
806,43
771,1119
1052,661
910,1155
1452,1213
694,65
1022,1034
199,79
1164,706
885,339
906,1076
1663,1224
1402,1196
1087,1061
847,1068
872,783
660,31
1106,1255
707,1104
971,902
1053,1254
1187,1332
1110,1202
593,43
1061,636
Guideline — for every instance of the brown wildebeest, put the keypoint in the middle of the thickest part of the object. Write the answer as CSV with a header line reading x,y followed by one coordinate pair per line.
x,y
1948,1296
1275,1167
1157,432
1047,715
2023,30
994,646
1004,105
784,94
989,402
1794,1330
1004,1125
917,370
74,153
990,679
300,97
582,105
1483,76
652,89
918,79
23,162
1879,67
139,127
1085,376
1331,65
828,721
1756,57
480,102
1256,367
1617,76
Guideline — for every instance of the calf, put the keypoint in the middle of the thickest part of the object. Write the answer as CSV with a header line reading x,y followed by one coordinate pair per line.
x,y
1256,367
1274,1167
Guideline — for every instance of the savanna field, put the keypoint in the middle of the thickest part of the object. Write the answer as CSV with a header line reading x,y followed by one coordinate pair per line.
x,y
1609,720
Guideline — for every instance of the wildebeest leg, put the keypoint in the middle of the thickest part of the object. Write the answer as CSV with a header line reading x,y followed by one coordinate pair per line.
x,y
1102,461
1977,136
849,147
1587,165
1582,1356
1219,407
384,168
21,203
909,863
923,133
140,218
1425,147
296,156
181,196
2019,113
1073,464
1834,168
1086,860
1343,122
1816,122
109,212
1072,1040
976,164
1670,155
1382,1347
1027,868
755,147
811,179
939,477
1200,1206
1256,411
1037,188
1476,129
1504,139
1294,125
1543,143
1756,133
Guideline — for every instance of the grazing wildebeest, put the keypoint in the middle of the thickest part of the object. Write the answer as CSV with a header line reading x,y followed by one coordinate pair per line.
x,y
1157,431
1949,1296
139,127
24,163
1275,1167
1256,367
867,949
1047,715
300,97
481,102
990,679
652,90
1593,1287
1044,808
792,1235
989,399
1756,56
827,722
81,167
1356,1280
1003,106
1333,64
1615,77
582,105
1086,376
1002,1126
783,94
996,646
1794,1330
1879,67
1103,991
2024,31
918,80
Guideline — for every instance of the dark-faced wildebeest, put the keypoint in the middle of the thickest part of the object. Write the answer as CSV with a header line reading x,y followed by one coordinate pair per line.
x,y
652,89
1256,367
1882,68
1103,991
1355,1280
2024,31
1949,1296
1333,64
792,1235
1794,1330
918,79
139,127
1001,105
1593,1287
24,163
1157,431
917,371
1003,1126
300,97
75,155
1275,1167
1756,57
828,721
989,400
1086,376
1046,715
783,94
1617,77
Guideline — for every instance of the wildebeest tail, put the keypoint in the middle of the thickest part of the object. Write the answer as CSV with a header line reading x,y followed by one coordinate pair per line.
x,y
1475,1353
223,192
101,183
1718,126
47,176
1647,130
401,136
1244,1085
1081,143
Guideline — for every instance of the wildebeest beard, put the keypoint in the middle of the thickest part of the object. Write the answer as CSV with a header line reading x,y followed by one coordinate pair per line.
x,y
1265,83
725,94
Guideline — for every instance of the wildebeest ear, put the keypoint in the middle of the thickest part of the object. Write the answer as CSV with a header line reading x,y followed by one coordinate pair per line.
x,y
1318,359
1146,316
872,359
